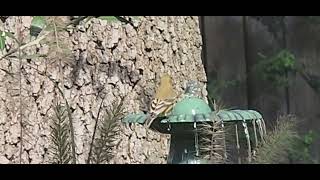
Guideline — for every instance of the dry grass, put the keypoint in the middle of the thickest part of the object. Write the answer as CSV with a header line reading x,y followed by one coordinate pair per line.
x,y
278,142
212,142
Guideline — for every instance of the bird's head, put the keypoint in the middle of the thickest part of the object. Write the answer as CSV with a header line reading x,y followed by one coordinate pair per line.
x,y
166,79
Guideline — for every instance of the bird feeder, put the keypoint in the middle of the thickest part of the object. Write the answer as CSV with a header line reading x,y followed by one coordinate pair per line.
x,y
183,123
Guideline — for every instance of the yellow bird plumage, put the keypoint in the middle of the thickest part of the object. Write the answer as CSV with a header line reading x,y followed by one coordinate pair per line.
x,y
163,101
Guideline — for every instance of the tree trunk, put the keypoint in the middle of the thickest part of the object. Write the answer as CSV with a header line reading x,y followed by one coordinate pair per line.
x,y
111,58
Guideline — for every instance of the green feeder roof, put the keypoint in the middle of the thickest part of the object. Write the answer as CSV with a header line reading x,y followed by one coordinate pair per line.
x,y
238,115
189,109
191,106
135,118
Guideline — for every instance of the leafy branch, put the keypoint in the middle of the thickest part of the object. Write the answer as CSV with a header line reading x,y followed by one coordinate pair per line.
x,y
69,113
275,68
61,147
40,23
107,131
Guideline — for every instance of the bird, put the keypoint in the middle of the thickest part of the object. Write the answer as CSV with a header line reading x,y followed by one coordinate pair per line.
x,y
163,101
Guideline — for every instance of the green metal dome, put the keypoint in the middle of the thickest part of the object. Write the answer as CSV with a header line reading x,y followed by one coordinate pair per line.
x,y
189,109
191,106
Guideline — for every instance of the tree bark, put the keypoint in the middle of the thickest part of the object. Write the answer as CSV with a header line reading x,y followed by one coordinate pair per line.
x,y
115,59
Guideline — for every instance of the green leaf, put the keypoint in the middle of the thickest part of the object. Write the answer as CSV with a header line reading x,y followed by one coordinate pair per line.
x,y
37,24
2,40
38,21
108,18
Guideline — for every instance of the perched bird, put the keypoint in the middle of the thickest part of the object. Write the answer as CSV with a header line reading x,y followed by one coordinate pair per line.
x,y
163,101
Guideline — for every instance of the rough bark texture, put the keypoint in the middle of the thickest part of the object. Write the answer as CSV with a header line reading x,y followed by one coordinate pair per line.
x,y
114,58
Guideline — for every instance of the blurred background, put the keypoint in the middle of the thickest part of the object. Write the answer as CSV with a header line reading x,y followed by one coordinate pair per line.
x,y
269,64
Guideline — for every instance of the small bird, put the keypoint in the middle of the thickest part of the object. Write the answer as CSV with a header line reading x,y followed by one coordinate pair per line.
x,y
163,101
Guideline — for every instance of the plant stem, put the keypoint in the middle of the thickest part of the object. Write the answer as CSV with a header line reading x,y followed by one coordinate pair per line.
x,y
94,130
21,47
20,104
